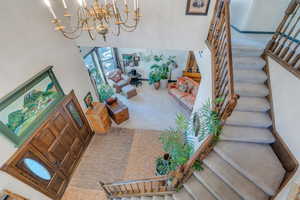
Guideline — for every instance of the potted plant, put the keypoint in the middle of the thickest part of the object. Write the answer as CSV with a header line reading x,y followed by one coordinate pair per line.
x,y
161,70
154,79
177,147
106,93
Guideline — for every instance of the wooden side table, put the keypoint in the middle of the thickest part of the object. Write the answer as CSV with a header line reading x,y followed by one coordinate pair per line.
x,y
118,112
98,118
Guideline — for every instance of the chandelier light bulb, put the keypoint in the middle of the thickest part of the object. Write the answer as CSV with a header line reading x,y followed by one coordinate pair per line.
x,y
48,4
64,3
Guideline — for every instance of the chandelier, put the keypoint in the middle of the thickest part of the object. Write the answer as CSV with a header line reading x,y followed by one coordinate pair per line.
x,y
97,19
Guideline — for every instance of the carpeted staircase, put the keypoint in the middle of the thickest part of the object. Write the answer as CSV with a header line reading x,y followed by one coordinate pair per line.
x,y
243,165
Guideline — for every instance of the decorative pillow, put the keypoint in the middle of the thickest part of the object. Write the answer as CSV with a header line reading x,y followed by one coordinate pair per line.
x,y
116,78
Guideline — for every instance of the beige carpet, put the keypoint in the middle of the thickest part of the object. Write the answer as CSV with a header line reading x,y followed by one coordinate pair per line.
x,y
105,159
121,154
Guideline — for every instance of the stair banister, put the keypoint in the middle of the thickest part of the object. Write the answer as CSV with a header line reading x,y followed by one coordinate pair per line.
x,y
284,45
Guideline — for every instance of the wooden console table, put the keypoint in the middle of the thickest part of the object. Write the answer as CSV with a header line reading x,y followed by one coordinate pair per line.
x,y
98,118
118,112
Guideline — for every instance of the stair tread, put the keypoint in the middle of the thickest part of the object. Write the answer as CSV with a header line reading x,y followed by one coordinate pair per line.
x,y
253,104
247,134
239,183
197,190
158,198
182,195
146,198
250,76
246,47
249,119
251,89
215,185
168,197
245,62
257,162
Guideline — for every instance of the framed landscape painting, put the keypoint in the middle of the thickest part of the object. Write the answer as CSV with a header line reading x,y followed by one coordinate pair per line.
x,y
24,109
197,7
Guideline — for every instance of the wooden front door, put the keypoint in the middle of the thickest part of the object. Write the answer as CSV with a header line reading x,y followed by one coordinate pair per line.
x,y
54,149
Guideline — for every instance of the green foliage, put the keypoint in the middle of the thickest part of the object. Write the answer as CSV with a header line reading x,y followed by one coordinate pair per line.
x,y
176,144
105,92
207,121
162,166
162,70
198,165
154,77
15,119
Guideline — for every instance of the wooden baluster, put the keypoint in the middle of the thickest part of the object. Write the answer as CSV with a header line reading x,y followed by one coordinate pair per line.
x,y
292,53
127,191
145,188
102,185
286,49
288,12
278,51
131,188
277,41
120,189
151,186
295,60
138,187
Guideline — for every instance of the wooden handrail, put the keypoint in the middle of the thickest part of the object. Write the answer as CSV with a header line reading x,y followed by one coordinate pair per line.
x,y
219,41
284,47
139,187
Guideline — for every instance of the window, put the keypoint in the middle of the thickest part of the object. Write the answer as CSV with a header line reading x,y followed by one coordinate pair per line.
x,y
107,58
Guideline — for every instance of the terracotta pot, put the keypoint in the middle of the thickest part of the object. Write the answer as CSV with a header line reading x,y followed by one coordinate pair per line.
x,y
157,85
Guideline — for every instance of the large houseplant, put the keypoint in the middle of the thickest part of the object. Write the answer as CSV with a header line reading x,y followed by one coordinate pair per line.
x,y
177,147
106,92
154,79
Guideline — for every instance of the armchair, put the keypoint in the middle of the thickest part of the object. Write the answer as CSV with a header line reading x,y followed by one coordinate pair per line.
x,y
119,80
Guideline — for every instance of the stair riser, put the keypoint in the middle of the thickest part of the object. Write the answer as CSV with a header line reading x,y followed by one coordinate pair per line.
x,y
246,52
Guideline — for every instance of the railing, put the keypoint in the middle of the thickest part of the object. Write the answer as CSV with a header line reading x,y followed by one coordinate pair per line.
x,y
284,45
141,187
219,41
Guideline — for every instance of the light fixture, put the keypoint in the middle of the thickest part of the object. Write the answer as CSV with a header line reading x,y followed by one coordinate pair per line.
x,y
98,18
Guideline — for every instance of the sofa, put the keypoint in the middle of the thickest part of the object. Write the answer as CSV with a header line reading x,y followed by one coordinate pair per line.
x,y
119,80
184,90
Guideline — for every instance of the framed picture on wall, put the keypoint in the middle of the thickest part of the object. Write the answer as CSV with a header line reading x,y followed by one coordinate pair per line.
x,y
88,100
197,7
24,109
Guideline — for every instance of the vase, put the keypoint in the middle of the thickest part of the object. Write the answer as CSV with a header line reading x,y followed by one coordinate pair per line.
x,y
156,85
164,83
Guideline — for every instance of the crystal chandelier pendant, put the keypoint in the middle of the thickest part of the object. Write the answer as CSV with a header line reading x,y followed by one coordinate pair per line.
x,y
100,18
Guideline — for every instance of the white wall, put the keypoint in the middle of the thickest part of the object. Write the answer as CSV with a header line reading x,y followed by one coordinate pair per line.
x,y
205,89
144,67
257,15
28,45
164,25
285,89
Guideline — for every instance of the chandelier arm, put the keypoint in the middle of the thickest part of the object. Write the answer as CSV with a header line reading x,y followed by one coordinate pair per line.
x,y
128,30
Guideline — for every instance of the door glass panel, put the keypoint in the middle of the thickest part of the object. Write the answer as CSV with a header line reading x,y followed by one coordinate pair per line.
x,y
75,114
107,59
37,169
